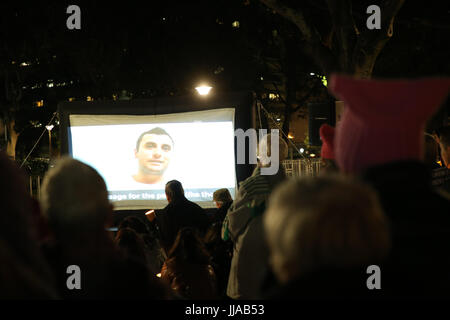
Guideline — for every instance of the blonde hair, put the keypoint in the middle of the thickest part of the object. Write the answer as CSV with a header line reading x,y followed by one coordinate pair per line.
x,y
324,222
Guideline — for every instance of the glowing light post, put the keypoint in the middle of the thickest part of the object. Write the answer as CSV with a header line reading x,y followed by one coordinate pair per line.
x,y
49,129
203,90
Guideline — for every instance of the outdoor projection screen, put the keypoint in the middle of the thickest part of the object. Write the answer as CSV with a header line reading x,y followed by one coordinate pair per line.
x,y
200,154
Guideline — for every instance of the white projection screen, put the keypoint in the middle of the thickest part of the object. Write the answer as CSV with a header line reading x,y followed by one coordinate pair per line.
x,y
198,150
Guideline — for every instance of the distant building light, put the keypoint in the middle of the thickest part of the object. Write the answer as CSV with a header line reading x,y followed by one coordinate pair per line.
x,y
278,119
235,24
302,150
50,85
13,62
312,74
164,19
25,64
262,78
89,98
39,103
49,127
71,99
290,136
312,155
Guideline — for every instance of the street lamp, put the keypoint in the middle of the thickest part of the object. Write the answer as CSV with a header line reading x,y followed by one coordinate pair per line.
x,y
49,129
203,90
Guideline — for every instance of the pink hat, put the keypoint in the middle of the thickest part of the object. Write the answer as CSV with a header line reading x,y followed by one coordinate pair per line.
x,y
383,120
327,135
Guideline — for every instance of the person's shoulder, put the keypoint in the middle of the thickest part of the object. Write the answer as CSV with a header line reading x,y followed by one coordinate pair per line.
x,y
256,184
192,205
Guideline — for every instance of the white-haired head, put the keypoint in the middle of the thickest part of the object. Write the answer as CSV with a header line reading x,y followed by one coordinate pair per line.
x,y
74,198
271,153
324,222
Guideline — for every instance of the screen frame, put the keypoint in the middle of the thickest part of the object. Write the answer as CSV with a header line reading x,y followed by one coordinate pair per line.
x,y
242,102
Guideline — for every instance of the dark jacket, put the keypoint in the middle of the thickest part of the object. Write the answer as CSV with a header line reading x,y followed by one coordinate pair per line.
x,y
104,273
177,215
325,284
419,262
221,212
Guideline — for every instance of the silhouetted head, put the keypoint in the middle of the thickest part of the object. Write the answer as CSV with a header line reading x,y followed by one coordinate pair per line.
x,y
75,199
174,190
222,196
327,222
189,247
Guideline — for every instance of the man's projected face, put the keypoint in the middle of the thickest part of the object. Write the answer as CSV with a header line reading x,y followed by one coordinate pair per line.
x,y
154,154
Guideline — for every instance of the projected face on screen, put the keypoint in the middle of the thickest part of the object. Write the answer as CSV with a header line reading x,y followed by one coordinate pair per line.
x,y
153,152
138,154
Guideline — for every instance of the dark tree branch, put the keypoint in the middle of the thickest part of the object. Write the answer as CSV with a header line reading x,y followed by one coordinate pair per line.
x,y
344,29
305,98
313,45
371,42
294,16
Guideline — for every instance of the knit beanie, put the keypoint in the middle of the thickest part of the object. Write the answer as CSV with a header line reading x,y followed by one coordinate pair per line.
x,y
383,120
327,136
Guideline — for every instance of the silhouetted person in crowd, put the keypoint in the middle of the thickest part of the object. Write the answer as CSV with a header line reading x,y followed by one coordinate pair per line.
x,y
442,175
75,201
179,213
222,198
132,245
188,270
327,162
380,139
220,251
323,233
243,225
155,254
24,273
431,151
444,144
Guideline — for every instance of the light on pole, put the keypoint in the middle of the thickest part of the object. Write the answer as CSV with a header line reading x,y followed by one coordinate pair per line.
x,y
203,90
49,129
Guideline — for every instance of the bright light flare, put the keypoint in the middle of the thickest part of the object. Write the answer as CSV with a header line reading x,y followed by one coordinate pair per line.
x,y
203,90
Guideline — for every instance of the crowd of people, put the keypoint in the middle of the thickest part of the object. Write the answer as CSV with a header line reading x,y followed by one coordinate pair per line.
x,y
380,203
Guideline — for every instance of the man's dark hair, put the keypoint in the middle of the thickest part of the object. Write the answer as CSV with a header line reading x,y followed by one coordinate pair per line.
x,y
444,136
156,130
174,189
